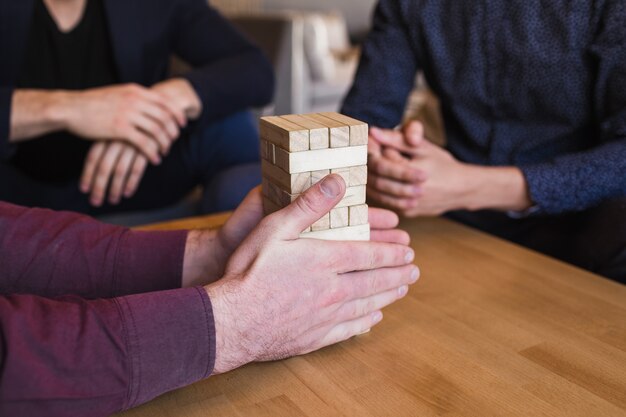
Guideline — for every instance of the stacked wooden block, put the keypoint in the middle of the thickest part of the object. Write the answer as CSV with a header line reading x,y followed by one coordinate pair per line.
x,y
299,150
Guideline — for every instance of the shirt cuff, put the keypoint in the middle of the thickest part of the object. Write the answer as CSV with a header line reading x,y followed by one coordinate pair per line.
x,y
170,341
149,261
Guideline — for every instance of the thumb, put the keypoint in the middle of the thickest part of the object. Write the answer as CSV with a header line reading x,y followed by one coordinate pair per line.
x,y
311,206
414,133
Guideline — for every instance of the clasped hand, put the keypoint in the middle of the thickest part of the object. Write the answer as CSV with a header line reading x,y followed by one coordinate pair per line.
x,y
133,126
413,176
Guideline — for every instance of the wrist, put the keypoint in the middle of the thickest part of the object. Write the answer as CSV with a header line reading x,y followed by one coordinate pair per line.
x,y
58,108
186,94
496,188
204,258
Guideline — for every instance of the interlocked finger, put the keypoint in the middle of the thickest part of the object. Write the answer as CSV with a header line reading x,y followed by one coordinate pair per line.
x,y
104,173
91,164
121,173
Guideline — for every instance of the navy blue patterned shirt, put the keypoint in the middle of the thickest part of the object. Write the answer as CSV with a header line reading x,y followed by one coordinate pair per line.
x,y
536,84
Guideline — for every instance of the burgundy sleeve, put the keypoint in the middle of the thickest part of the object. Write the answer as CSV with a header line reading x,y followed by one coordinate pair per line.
x,y
74,357
57,253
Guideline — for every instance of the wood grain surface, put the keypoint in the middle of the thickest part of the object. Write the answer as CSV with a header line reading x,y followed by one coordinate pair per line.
x,y
491,329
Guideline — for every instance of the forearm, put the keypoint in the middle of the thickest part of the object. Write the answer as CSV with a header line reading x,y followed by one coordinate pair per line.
x,y
496,188
35,113
73,357
54,253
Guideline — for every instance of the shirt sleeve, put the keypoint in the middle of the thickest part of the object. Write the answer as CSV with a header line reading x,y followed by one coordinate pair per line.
x,y
74,357
582,180
230,73
387,69
6,149
49,253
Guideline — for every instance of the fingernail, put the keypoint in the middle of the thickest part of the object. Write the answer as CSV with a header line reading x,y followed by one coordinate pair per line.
x,y
415,274
410,255
377,316
402,291
330,187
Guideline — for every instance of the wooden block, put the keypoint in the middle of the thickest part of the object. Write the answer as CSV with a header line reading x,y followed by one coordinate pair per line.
x,y
321,224
344,173
282,158
319,135
275,194
265,150
291,183
350,233
354,196
317,176
358,175
295,162
359,131
339,217
358,215
339,132
283,133
269,206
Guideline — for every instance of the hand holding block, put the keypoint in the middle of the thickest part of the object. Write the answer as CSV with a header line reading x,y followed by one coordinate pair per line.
x,y
299,151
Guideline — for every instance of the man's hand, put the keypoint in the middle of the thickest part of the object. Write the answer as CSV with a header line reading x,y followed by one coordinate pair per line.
x,y
181,94
131,113
414,177
207,251
447,185
115,167
282,296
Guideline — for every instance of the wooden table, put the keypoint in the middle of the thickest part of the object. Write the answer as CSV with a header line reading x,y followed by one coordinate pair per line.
x,y
490,329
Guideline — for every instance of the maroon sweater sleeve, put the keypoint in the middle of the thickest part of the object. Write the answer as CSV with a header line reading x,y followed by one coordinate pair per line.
x,y
73,357
82,355
56,253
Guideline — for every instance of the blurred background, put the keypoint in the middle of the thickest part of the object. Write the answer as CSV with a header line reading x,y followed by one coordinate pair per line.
x,y
314,47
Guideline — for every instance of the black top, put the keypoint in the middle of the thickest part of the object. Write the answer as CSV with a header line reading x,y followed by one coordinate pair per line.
x,y
76,60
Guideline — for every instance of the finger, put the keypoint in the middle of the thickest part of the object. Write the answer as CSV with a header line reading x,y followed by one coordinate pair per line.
x,y
374,148
154,129
311,206
346,330
364,306
392,138
391,236
164,117
145,144
121,173
167,105
382,219
345,257
104,172
91,163
393,155
244,219
393,188
136,174
413,133
394,203
398,171
364,284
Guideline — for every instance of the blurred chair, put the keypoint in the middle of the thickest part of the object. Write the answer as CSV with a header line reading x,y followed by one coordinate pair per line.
x,y
312,56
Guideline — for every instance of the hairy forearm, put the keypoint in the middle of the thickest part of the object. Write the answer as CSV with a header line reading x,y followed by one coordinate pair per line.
x,y
496,188
204,260
36,112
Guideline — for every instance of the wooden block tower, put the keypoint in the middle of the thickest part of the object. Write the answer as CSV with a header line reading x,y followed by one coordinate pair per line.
x,y
297,151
